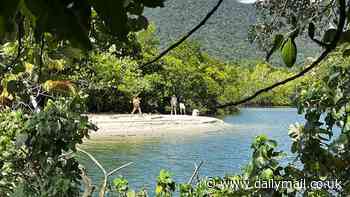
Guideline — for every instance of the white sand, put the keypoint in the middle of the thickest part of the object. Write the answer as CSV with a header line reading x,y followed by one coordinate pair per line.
x,y
118,125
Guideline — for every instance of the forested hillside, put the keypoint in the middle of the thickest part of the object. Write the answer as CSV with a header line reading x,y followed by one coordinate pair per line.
x,y
224,36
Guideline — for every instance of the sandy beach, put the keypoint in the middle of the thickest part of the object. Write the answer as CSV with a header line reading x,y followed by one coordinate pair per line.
x,y
126,125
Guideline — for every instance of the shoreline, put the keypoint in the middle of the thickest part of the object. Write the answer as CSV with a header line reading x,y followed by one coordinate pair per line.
x,y
155,125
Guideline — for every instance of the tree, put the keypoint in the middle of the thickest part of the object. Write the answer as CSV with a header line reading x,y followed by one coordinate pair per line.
x,y
322,144
276,15
71,20
47,107
41,118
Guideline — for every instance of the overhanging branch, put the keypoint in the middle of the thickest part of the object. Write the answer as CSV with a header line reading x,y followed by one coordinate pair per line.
x,y
329,49
186,36
302,73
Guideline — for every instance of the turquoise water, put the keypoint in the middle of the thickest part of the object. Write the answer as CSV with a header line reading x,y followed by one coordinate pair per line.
x,y
224,152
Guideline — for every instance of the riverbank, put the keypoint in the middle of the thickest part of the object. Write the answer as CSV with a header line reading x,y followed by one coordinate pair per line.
x,y
222,152
126,125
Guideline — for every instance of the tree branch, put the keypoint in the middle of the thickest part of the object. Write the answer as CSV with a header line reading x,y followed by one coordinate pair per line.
x,y
119,168
176,44
104,184
195,172
41,62
33,100
319,42
329,49
311,33
105,174
302,73
89,188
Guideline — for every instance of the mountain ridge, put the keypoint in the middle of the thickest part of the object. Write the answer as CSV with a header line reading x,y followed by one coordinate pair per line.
x,y
225,34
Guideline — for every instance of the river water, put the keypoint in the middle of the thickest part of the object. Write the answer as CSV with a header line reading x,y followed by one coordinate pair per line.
x,y
224,152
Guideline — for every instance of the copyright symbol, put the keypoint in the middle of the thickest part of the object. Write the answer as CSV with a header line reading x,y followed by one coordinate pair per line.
x,y
210,182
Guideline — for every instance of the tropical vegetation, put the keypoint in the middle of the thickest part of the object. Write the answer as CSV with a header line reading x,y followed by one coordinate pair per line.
x,y
60,60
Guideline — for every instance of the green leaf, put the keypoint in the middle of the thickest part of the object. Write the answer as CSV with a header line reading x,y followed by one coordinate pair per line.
x,y
185,188
346,53
131,194
137,24
18,68
311,30
66,21
329,35
272,143
74,53
135,8
295,147
159,189
12,86
114,14
121,184
267,174
260,161
277,42
21,139
289,52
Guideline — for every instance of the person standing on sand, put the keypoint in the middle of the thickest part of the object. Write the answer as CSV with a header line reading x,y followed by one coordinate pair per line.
x,y
136,102
173,104
182,108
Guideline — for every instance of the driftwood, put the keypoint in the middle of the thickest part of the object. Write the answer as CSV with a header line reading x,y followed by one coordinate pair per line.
x,y
105,173
195,172
89,188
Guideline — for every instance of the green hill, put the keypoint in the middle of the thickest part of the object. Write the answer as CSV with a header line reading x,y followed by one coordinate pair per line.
x,y
225,34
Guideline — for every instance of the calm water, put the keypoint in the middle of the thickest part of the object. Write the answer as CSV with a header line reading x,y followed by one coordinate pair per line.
x,y
224,152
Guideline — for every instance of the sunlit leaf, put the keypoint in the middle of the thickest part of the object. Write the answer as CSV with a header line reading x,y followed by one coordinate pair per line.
x,y
289,52
131,194
62,86
267,174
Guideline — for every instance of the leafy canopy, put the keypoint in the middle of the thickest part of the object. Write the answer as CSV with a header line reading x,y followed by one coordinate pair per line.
x,y
71,19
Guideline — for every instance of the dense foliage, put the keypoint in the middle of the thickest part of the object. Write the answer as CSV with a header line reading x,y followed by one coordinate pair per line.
x,y
226,40
59,57
111,81
41,119
71,20
33,148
